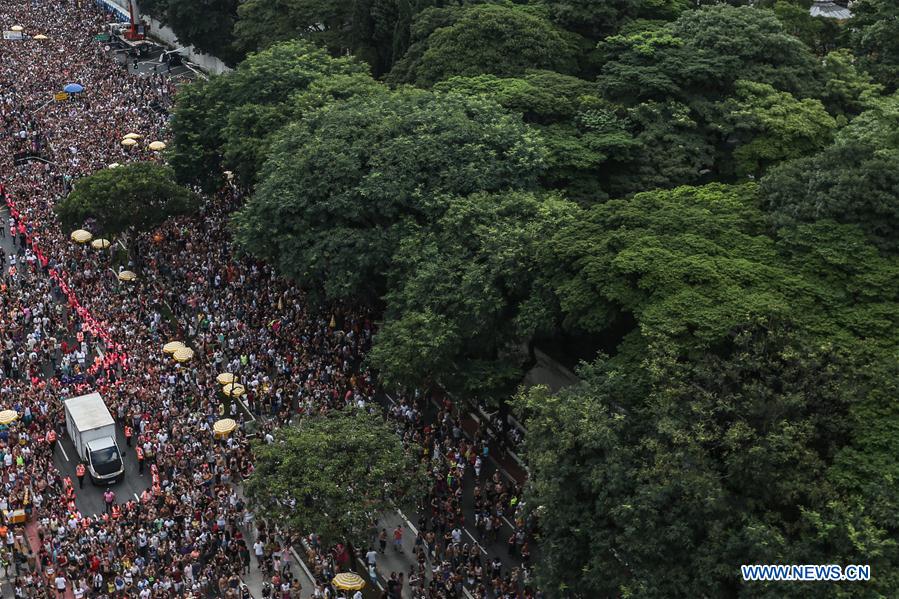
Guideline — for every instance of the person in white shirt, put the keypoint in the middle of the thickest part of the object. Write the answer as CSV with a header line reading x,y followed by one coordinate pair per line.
x,y
60,585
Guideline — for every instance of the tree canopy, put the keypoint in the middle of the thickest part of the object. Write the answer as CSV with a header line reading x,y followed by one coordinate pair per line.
x,y
647,473
855,180
139,195
207,26
343,185
464,299
499,39
332,474
229,121
875,37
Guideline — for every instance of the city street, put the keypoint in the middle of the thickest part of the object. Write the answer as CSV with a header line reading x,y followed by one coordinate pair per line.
x,y
89,500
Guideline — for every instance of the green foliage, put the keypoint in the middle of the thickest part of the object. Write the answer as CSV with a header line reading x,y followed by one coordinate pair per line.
x,y
690,262
875,38
582,132
855,180
768,126
230,120
263,23
818,33
672,148
138,195
595,19
847,90
208,26
464,295
342,186
332,474
702,54
649,473
499,39
194,153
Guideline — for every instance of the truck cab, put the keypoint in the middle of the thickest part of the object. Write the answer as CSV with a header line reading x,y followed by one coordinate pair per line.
x,y
104,461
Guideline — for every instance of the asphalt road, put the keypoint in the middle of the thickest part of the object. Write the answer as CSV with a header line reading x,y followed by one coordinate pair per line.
x,y
89,500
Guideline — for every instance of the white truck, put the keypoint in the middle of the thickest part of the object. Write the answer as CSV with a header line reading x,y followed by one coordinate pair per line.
x,y
92,430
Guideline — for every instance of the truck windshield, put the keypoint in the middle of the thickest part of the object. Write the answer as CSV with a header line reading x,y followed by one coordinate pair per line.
x,y
106,461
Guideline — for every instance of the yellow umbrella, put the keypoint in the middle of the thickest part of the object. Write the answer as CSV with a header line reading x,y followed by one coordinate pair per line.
x,y
8,416
183,355
156,146
234,390
132,136
40,36
225,378
223,428
100,244
81,236
16,28
171,347
348,581
127,275
128,142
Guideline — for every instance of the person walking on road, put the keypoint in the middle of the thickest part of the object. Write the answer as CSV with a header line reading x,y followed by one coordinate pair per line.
x,y
398,538
382,540
79,472
51,440
109,499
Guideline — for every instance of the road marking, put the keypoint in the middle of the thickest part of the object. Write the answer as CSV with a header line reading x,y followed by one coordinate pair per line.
x,y
63,450
470,536
365,568
303,565
406,520
136,497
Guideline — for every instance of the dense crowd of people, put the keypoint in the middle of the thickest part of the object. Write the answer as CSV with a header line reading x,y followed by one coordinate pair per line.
x,y
68,325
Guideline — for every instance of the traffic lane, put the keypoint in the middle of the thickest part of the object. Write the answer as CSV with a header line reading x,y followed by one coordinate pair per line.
x,y
89,500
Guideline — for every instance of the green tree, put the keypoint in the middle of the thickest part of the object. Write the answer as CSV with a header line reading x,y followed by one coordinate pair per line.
x,y
595,19
332,475
767,126
818,33
342,186
207,26
659,477
230,120
700,56
583,133
138,195
855,180
875,37
671,147
499,39
847,90
691,263
327,23
194,153
463,299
